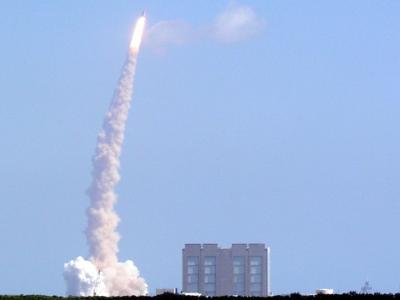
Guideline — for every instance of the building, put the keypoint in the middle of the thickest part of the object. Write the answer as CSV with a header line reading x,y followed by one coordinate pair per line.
x,y
166,291
324,292
242,269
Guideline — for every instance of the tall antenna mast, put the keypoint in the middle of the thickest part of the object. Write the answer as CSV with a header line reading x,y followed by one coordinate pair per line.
x,y
366,288
97,283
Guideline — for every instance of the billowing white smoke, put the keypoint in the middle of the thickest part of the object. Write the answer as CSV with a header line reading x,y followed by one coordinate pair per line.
x,y
83,278
102,274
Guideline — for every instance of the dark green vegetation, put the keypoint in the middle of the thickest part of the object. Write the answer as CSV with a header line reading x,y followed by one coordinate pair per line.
x,y
351,296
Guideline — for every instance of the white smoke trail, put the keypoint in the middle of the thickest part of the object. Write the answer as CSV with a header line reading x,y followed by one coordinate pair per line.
x,y
102,274
102,219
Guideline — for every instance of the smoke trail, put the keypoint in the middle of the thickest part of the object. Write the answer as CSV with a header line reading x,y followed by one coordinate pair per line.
x,y
102,274
102,219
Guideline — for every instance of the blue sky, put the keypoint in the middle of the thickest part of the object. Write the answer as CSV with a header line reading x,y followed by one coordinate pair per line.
x,y
288,136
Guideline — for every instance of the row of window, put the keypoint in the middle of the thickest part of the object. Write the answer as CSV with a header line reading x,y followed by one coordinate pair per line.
x,y
255,276
193,274
239,275
209,275
238,261
208,278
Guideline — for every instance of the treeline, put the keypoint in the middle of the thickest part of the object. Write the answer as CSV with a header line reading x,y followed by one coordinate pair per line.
x,y
295,296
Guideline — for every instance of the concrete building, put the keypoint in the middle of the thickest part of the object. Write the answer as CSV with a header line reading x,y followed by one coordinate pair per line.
x,y
161,291
242,269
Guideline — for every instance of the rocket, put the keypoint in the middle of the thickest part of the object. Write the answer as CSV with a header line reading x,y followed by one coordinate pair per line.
x,y
138,33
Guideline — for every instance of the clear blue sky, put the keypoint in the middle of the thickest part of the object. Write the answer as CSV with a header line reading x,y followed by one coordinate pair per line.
x,y
290,137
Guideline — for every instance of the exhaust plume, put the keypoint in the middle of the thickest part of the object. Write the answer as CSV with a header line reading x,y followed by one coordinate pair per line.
x,y
101,274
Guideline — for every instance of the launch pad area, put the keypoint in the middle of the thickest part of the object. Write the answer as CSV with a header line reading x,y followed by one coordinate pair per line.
x,y
294,296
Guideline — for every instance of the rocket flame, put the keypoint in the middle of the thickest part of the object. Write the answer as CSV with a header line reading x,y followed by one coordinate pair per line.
x,y
138,34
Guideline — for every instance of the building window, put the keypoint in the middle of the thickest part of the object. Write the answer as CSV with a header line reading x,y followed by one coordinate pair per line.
x,y
255,275
192,274
255,278
255,289
209,260
209,269
193,278
255,260
193,261
239,275
193,288
193,269
209,278
209,275
209,289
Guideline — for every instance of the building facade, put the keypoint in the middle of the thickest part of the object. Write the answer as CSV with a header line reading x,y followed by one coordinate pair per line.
x,y
242,269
